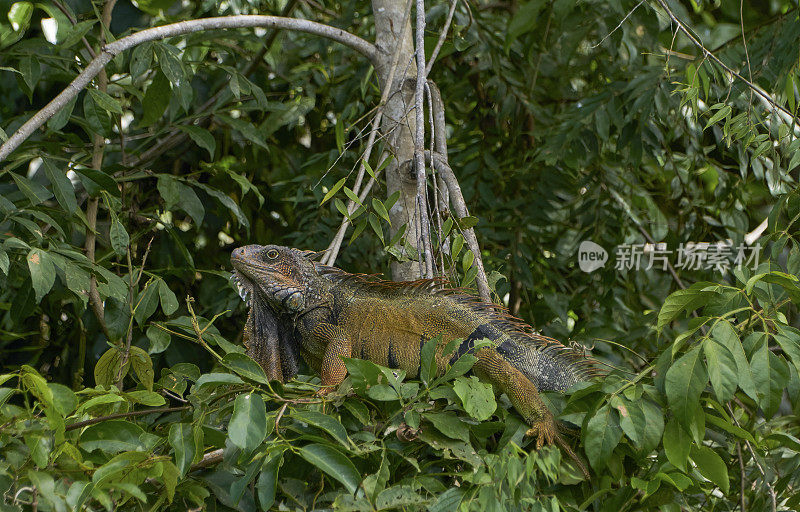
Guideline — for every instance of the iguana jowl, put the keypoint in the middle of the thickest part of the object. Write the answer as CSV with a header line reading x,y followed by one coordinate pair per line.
x,y
337,314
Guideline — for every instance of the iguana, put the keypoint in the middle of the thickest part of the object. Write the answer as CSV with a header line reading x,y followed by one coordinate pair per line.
x,y
301,307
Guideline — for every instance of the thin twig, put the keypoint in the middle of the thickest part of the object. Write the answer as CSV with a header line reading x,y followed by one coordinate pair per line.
x,y
72,20
630,13
130,414
741,477
442,37
92,205
771,491
209,459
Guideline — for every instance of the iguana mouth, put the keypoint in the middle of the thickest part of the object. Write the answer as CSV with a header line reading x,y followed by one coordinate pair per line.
x,y
244,285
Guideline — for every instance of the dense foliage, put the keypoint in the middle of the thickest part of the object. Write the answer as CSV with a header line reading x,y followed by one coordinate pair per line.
x,y
567,121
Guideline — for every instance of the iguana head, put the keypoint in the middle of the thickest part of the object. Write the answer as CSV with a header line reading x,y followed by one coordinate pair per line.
x,y
285,277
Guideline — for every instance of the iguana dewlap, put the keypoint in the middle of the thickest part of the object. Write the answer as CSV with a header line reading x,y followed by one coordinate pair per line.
x,y
336,314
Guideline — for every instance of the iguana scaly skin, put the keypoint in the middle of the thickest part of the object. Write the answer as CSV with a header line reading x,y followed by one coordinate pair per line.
x,y
335,314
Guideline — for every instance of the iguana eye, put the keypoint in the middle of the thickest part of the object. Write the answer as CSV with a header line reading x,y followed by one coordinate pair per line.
x,y
272,254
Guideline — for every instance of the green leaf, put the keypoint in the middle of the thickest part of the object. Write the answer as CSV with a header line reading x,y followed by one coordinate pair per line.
x,y
61,118
145,397
267,482
363,373
170,475
333,463
428,360
146,303
62,186
95,181
770,374
722,369
477,397
169,303
97,118
105,101
789,340
246,128
601,435
684,382
380,209
141,60
683,300
676,444
228,203
109,367
74,33
181,439
20,15
215,379
32,190
245,366
142,366
4,261
43,272
119,236
641,420
156,99
333,190
399,497
64,400
324,422
201,137
170,62
248,425
721,113
113,436
449,424
724,333
524,20
711,466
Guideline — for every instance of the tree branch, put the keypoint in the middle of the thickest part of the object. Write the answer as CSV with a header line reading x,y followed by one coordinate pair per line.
x,y
85,423
109,51
426,253
439,162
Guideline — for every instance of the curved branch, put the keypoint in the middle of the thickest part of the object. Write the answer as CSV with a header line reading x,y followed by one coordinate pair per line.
x,y
110,50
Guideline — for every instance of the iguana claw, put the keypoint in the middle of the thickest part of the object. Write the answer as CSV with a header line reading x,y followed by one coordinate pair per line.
x,y
544,432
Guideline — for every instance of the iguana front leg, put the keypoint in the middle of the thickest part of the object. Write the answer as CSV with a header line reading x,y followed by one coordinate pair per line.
x,y
336,345
524,396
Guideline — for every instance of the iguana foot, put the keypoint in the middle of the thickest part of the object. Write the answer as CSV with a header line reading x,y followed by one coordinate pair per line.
x,y
544,432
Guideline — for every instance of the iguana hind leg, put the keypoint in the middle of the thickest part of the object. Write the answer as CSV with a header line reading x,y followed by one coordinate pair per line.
x,y
524,396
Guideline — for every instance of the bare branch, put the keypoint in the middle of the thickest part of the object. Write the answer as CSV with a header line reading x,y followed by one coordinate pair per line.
x,y
110,50
460,208
426,256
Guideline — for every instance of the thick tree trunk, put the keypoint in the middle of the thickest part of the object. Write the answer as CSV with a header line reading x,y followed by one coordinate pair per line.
x,y
398,120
